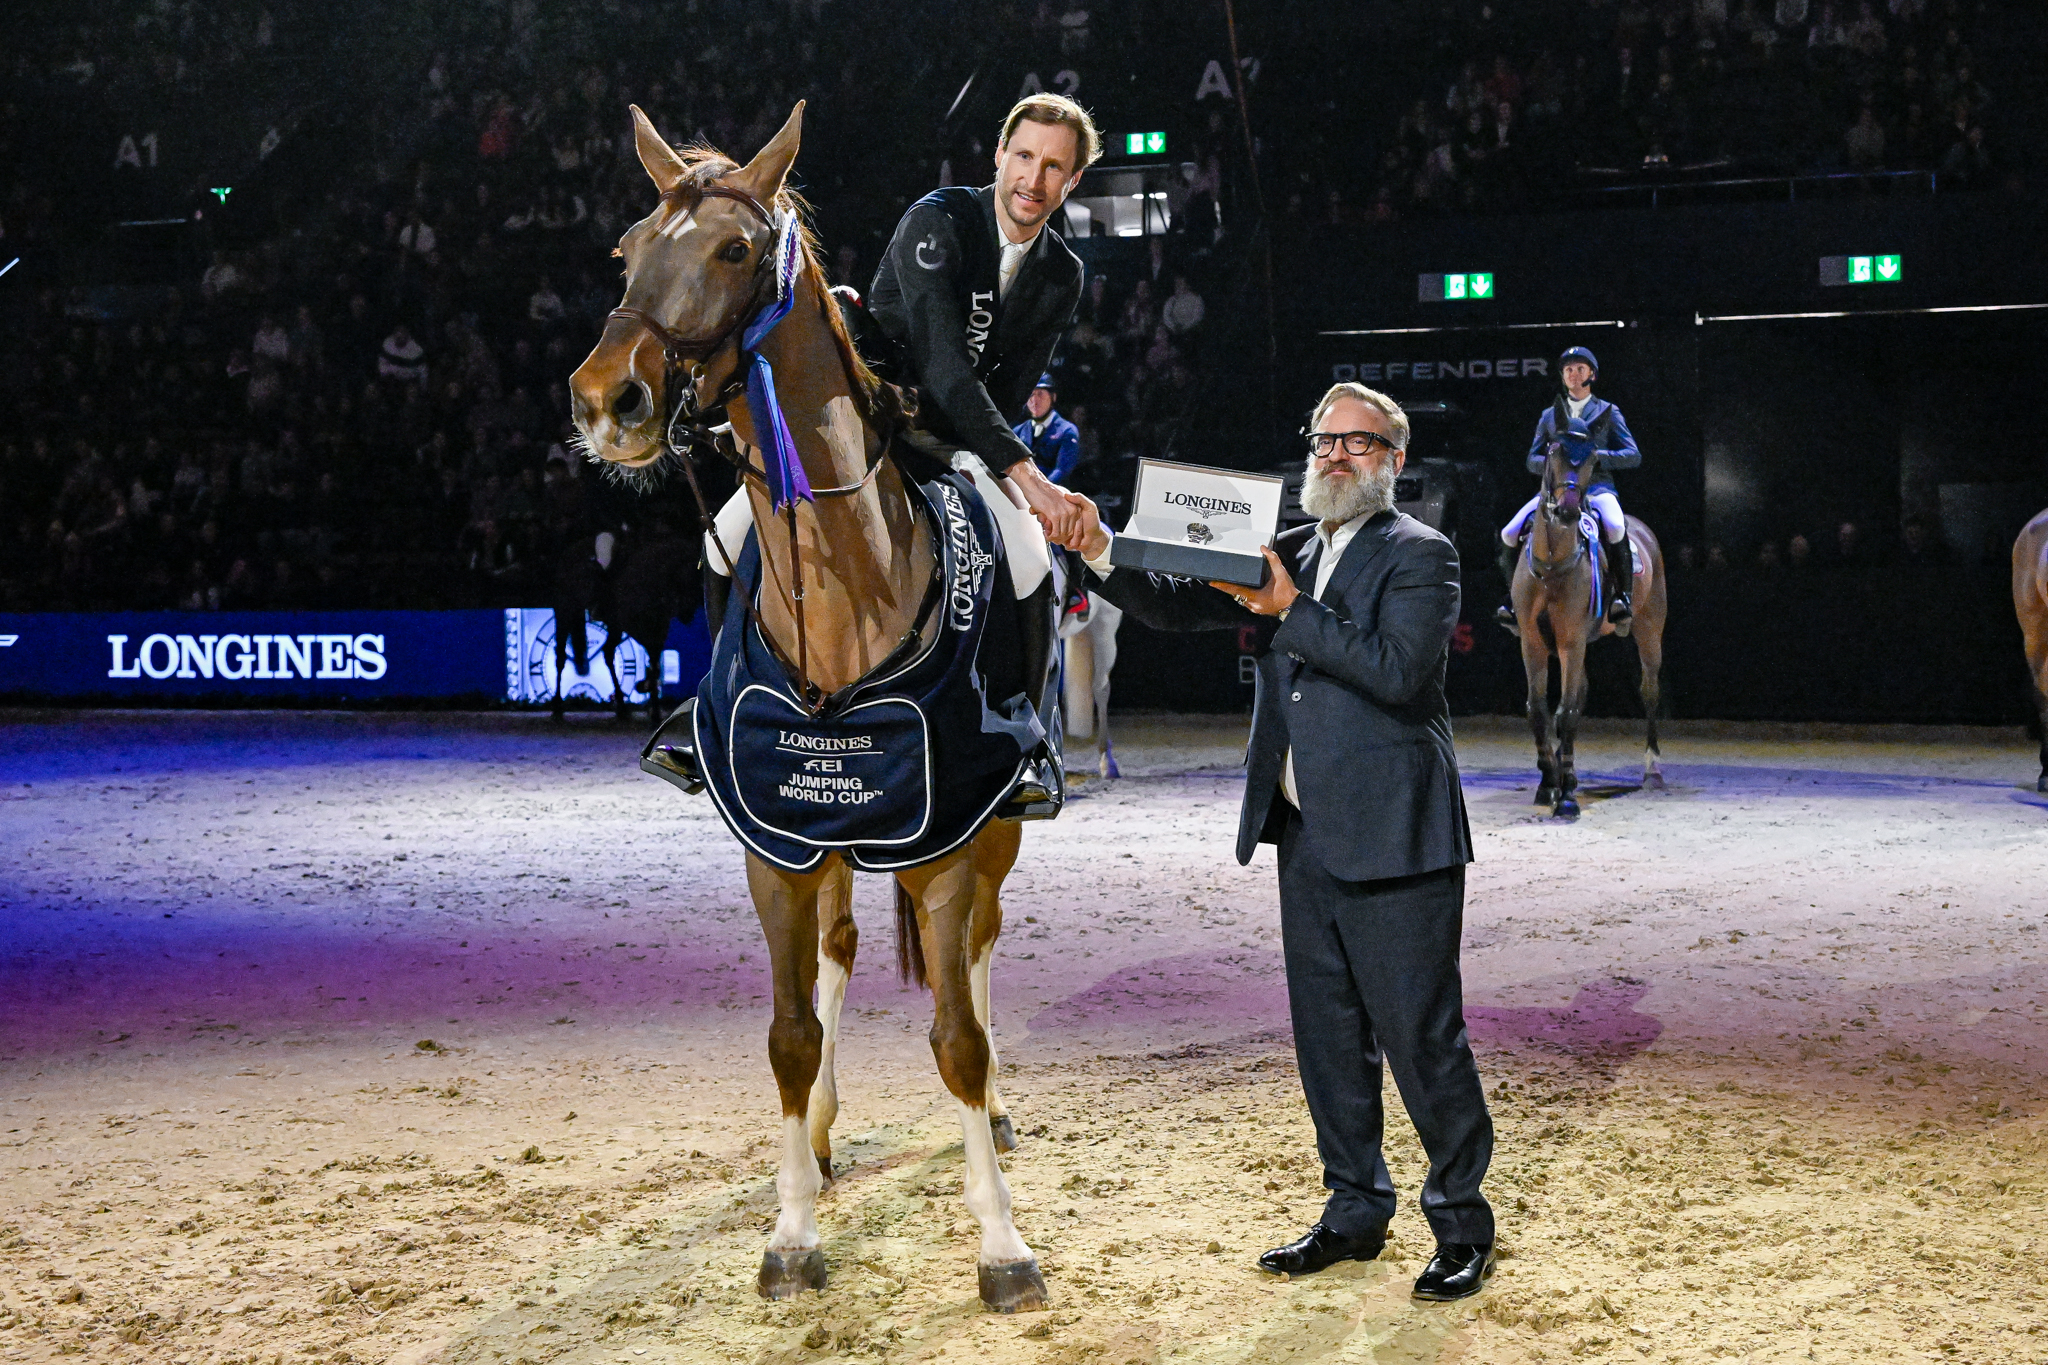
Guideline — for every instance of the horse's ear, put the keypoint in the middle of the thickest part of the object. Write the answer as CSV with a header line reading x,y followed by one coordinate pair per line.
x,y
657,156
763,176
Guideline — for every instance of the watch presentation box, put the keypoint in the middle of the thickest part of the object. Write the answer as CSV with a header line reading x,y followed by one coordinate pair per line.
x,y
1201,523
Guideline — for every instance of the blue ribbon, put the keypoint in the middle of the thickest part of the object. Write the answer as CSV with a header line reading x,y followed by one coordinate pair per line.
x,y
787,481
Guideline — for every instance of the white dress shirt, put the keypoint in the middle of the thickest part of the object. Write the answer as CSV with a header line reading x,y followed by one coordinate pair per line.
x,y
1013,261
1334,545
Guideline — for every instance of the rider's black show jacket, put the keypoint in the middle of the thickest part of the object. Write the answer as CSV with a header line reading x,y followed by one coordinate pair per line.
x,y
1611,437
974,352
1355,683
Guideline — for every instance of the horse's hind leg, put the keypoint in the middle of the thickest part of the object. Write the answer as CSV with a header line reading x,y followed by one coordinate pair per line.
x,y
995,853
787,904
837,940
1650,655
944,892
1104,630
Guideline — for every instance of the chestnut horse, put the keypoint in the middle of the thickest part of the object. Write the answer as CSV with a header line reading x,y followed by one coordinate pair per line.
x,y
1556,610
694,277
2030,601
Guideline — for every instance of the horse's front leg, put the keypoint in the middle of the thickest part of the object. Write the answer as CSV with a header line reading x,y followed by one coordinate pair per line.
x,y
944,892
995,853
1104,629
1571,703
837,940
787,904
1536,664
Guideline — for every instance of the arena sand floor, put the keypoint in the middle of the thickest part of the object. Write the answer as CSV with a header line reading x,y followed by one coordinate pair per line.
x,y
442,1039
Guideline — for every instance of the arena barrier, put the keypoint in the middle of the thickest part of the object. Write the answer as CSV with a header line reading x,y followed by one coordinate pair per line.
x,y
268,657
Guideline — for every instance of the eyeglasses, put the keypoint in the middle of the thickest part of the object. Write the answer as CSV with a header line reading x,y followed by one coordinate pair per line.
x,y
1322,445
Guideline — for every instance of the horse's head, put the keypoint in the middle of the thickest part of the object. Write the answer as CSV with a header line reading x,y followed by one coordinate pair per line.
x,y
697,269
1568,469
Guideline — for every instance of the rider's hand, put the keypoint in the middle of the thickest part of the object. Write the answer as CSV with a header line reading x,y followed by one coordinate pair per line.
x,y
1063,521
1093,542
1277,596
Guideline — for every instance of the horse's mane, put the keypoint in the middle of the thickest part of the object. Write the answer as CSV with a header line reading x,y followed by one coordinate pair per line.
x,y
704,166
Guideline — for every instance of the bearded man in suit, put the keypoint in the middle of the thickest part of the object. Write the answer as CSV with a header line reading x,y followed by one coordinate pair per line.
x,y
1351,771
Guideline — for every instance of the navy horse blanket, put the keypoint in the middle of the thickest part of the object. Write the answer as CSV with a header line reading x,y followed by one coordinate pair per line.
x,y
902,766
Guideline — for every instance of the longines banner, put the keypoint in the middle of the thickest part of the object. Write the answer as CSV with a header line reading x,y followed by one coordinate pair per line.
x,y
341,656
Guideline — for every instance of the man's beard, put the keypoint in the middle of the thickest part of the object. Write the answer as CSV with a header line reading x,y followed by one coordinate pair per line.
x,y
1342,500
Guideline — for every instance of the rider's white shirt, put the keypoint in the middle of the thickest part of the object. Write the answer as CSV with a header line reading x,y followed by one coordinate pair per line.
x,y
1577,406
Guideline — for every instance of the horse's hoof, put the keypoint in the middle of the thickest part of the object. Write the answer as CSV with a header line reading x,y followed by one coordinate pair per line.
x,y
784,1276
1654,781
1545,796
1012,1287
1567,808
1107,768
2042,784
1003,1131
825,1168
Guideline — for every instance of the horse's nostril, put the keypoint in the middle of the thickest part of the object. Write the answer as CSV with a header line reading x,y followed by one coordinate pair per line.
x,y
630,403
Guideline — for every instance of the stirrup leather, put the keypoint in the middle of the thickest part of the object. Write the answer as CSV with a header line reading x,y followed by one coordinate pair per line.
x,y
671,751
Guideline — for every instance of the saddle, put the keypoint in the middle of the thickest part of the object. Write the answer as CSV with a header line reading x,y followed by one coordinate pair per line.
x,y
898,768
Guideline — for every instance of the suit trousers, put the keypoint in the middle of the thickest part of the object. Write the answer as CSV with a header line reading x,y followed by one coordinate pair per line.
x,y
1372,974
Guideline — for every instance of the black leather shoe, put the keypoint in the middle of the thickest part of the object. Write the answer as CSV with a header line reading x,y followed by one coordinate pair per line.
x,y
1457,1271
1321,1247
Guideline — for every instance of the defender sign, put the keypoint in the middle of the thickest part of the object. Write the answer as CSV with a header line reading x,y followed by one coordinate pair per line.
x,y
1203,523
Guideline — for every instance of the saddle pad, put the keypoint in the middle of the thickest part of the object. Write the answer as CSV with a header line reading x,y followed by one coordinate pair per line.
x,y
900,767
861,775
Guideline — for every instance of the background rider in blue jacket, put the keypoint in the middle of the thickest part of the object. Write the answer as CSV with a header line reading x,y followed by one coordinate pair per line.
x,y
1616,449
1055,442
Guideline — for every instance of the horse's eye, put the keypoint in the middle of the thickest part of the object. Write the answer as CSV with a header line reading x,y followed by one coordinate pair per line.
x,y
734,253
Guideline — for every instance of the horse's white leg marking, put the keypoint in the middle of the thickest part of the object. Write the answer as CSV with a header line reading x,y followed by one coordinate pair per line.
x,y
797,1184
988,1194
824,1101
977,986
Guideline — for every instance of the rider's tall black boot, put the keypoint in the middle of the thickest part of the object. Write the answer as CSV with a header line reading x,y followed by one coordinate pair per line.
x,y
1506,614
1621,572
1042,790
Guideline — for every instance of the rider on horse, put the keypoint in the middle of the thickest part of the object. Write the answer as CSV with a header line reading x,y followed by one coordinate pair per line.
x,y
1589,428
972,295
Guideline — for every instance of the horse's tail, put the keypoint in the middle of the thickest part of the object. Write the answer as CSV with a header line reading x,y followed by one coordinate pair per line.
x,y
909,943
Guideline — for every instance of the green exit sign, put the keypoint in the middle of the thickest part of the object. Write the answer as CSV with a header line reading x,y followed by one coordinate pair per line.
x,y
1449,288
1861,269
1144,144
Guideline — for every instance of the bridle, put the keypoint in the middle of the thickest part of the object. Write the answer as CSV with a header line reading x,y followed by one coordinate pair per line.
x,y
1567,499
688,424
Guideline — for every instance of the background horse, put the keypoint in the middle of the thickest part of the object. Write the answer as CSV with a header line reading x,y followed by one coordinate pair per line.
x,y
656,579
694,278
2030,602
1555,607
576,594
1089,641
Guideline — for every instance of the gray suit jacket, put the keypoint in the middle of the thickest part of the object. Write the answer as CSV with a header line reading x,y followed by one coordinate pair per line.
x,y
1355,683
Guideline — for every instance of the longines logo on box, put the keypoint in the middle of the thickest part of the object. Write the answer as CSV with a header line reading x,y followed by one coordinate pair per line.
x,y
1206,505
235,657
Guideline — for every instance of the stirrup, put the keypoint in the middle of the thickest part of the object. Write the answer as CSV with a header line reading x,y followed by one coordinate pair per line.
x,y
1038,795
671,751
1505,616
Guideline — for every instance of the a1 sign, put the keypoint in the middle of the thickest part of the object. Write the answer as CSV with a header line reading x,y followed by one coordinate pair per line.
x,y
1450,288
1861,269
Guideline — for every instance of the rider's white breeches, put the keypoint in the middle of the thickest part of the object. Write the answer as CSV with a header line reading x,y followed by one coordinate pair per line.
x,y
1603,502
1023,537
